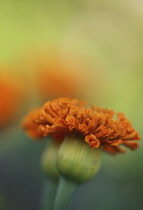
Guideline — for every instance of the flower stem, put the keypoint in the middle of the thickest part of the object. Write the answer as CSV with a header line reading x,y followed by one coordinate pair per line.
x,y
65,192
48,195
1,202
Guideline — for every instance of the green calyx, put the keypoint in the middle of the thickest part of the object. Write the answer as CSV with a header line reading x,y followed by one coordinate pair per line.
x,y
48,160
76,161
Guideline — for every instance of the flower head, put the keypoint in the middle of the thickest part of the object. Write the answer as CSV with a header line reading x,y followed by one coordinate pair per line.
x,y
99,127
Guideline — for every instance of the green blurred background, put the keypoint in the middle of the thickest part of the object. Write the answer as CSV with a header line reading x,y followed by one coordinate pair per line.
x,y
103,42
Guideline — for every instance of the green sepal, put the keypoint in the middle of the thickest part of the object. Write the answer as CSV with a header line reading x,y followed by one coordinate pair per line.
x,y
76,161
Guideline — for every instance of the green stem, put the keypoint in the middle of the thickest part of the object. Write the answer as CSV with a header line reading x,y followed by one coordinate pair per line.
x,y
65,192
1,202
48,195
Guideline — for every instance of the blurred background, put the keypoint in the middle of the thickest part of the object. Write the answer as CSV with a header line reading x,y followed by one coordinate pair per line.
x,y
91,50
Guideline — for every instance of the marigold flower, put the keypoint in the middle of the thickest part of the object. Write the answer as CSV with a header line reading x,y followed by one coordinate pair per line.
x,y
99,127
78,128
30,126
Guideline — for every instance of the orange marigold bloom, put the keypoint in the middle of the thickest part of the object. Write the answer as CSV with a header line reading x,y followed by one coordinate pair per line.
x,y
32,128
98,126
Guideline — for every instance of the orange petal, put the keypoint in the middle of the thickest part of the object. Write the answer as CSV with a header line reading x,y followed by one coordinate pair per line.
x,y
92,141
132,136
132,145
72,121
114,142
113,150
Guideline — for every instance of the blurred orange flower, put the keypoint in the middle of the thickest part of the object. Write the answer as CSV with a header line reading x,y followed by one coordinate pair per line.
x,y
54,84
56,78
98,126
9,100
